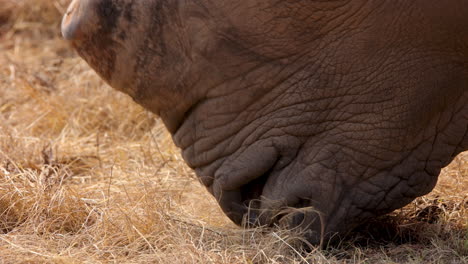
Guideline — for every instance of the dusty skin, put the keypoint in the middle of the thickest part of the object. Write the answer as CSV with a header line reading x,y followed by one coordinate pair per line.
x,y
315,115
87,176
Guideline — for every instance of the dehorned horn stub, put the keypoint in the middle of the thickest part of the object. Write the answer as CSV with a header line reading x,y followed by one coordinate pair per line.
x,y
78,20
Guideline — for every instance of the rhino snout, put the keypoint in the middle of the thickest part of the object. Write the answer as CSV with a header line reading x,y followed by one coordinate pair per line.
x,y
77,20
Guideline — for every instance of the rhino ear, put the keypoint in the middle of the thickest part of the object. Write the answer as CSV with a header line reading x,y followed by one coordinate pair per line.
x,y
78,20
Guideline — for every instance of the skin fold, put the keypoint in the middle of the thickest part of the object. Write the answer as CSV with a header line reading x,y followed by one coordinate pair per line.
x,y
345,110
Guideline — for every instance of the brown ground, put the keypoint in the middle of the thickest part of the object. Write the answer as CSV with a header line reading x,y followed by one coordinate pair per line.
x,y
87,176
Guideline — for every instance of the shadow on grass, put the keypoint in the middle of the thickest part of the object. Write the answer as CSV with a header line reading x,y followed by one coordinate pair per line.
x,y
430,220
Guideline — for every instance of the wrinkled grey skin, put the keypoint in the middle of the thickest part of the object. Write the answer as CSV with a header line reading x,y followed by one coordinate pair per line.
x,y
346,109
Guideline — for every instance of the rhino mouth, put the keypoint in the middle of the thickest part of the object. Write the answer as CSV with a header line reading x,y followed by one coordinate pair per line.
x,y
251,194
243,206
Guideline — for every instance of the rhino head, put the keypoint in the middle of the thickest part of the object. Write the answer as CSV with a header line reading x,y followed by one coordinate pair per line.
x,y
345,110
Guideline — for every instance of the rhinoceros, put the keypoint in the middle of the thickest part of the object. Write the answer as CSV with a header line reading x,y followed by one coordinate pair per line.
x,y
345,110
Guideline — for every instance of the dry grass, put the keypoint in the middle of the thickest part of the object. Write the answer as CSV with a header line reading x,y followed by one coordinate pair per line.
x,y
87,176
